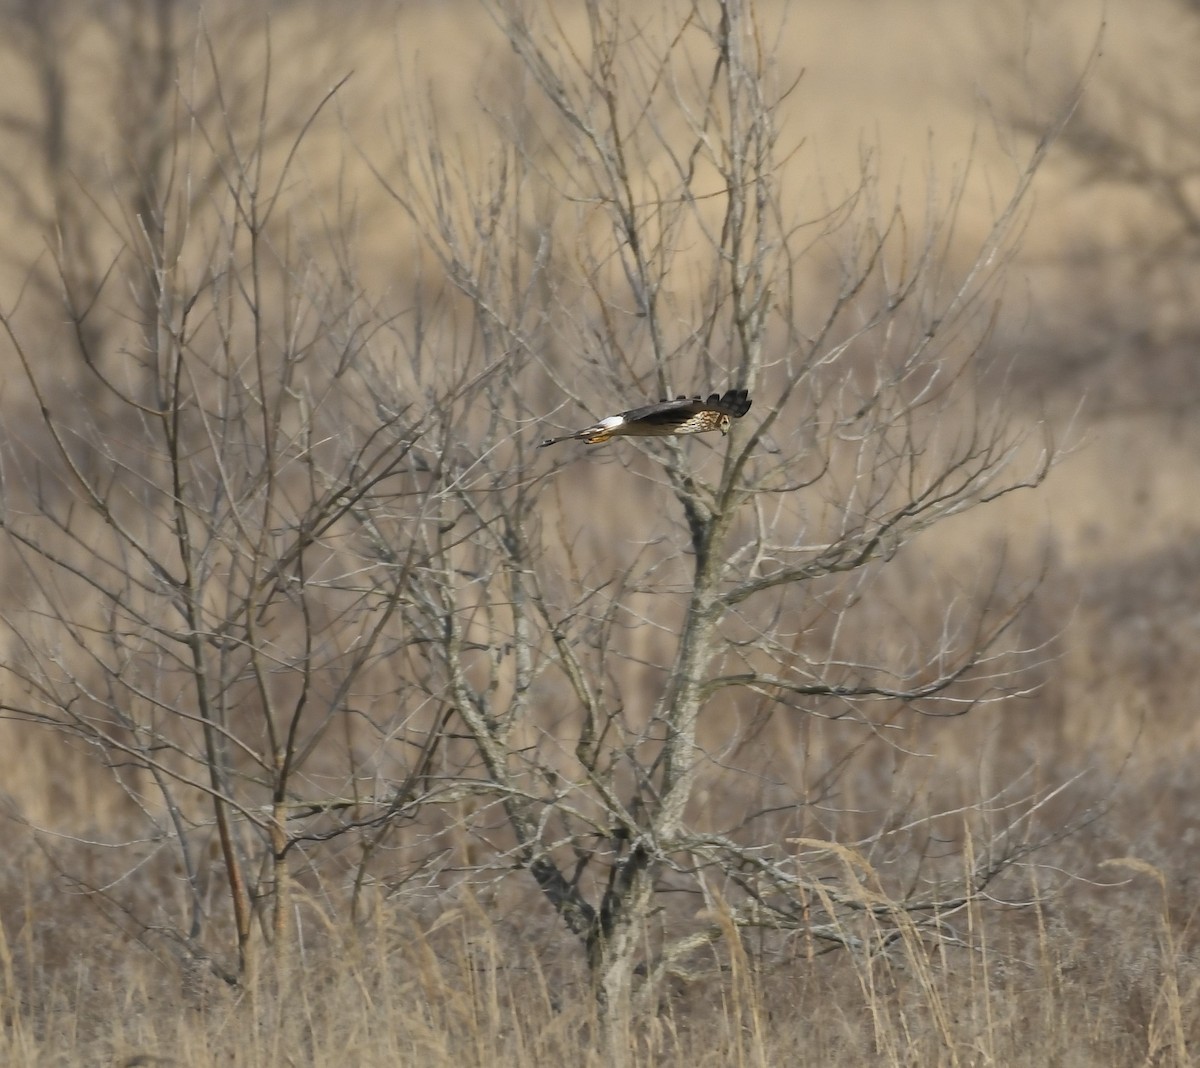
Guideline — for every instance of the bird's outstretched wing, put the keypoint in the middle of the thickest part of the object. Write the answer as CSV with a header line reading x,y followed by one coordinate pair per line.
x,y
683,415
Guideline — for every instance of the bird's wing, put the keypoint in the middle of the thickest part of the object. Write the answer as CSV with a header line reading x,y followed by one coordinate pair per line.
x,y
735,402
667,412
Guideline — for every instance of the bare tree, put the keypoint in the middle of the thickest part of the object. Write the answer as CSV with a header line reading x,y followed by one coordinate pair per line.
x,y
617,641
93,159
1132,157
325,589
214,606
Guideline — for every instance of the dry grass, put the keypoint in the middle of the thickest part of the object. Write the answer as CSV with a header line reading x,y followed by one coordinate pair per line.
x,y
1110,983
1101,971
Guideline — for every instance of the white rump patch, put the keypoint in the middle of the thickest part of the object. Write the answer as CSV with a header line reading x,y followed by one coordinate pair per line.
x,y
612,422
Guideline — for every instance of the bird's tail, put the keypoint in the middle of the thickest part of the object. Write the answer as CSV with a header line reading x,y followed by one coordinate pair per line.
x,y
555,441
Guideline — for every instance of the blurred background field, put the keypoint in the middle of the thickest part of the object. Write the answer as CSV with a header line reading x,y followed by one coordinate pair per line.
x,y
945,98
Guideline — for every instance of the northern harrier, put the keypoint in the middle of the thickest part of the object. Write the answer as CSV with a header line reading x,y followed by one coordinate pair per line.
x,y
667,418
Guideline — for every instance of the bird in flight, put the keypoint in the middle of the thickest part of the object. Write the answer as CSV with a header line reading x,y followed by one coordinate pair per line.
x,y
667,418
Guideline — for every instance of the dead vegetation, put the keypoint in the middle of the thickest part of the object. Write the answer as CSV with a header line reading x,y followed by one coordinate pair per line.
x,y
345,727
